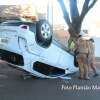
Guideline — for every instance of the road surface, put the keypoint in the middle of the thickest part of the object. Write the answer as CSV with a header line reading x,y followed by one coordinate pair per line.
x,y
14,87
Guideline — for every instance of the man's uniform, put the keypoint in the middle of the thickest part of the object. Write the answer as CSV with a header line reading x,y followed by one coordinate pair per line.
x,y
82,57
91,56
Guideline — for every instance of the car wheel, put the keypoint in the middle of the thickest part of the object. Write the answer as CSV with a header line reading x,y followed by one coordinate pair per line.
x,y
43,33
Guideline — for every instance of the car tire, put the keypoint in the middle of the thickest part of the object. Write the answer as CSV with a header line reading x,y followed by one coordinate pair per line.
x,y
43,33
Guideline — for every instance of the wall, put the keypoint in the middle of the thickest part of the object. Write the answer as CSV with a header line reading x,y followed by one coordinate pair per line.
x,y
97,46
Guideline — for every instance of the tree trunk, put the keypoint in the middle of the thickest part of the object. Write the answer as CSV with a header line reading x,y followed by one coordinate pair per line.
x,y
74,29
74,19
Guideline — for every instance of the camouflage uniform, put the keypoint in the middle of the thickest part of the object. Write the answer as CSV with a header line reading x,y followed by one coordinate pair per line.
x,y
91,56
82,57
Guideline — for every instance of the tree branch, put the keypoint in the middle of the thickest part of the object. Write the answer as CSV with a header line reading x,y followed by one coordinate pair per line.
x,y
86,8
92,4
65,12
74,10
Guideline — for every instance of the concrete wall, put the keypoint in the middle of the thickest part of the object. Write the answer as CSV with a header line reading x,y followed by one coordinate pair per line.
x,y
97,46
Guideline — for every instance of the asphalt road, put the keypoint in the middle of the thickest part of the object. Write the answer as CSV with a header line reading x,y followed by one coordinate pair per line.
x,y
14,87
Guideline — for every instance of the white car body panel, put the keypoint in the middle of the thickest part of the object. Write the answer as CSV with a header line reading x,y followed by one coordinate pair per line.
x,y
22,41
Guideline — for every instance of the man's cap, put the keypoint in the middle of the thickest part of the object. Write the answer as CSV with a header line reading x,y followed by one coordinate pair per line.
x,y
84,34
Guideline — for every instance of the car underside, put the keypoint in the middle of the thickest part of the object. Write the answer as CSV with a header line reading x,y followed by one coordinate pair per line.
x,y
31,47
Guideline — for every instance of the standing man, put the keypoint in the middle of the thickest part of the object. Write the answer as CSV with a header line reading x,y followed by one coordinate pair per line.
x,y
91,57
82,47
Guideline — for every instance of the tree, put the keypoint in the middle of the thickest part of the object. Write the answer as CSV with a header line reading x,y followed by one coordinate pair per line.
x,y
75,19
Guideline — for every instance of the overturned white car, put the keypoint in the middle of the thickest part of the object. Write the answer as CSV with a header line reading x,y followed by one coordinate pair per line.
x,y
30,46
